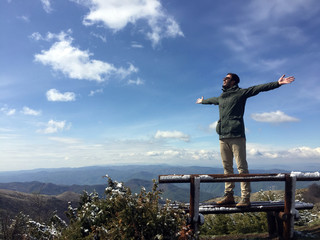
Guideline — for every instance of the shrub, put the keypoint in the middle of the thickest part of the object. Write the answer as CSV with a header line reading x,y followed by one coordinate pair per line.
x,y
217,225
123,215
221,224
256,222
23,227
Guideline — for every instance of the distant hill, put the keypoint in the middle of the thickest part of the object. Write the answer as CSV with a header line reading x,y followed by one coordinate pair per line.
x,y
170,191
50,188
94,174
38,206
57,181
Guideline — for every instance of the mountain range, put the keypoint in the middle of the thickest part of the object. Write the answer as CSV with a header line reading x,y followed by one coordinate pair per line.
x,y
56,181
95,174
39,192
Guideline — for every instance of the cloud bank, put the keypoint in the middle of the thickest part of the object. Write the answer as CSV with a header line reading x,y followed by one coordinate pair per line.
x,y
297,154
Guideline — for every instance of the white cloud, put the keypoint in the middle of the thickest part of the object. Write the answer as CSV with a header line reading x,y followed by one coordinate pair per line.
x,y
76,63
305,152
24,18
138,81
273,117
268,24
54,95
159,153
36,36
54,126
117,14
213,125
5,130
251,46
29,111
46,5
136,45
126,72
7,134
186,155
279,9
65,140
94,92
172,134
297,155
102,38
8,111
258,152
11,112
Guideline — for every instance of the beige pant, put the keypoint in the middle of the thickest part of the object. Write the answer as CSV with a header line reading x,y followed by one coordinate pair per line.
x,y
235,148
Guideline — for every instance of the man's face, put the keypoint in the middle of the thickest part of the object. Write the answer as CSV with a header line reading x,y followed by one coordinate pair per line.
x,y
227,82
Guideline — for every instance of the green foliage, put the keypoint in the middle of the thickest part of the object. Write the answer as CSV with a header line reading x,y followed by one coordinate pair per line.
x,y
18,227
269,196
123,215
23,227
241,223
250,222
216,225
221,224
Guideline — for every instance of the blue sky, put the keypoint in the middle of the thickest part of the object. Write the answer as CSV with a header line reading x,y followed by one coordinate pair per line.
x,y
97,82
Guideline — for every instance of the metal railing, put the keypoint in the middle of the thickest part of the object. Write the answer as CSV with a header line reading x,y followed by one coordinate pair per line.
x,y
288,214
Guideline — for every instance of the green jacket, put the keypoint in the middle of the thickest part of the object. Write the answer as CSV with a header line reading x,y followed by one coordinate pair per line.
x,y
231,108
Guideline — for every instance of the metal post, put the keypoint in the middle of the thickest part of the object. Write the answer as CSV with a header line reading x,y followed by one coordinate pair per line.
x,y
194,204
272,224
289,206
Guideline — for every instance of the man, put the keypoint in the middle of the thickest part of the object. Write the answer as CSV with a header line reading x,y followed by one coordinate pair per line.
x,y
231,129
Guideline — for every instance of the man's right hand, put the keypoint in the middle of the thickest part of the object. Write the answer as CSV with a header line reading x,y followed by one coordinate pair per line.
x,y
282,80
199,100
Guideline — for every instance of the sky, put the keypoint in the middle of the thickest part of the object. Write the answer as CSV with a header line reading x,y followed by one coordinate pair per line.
x,y
113,82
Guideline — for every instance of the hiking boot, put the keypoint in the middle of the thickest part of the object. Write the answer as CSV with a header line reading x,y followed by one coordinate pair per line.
x,y
244,202
228,199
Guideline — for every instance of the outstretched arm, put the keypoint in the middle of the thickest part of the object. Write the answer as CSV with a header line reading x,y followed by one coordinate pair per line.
x,y
199,100
282,80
